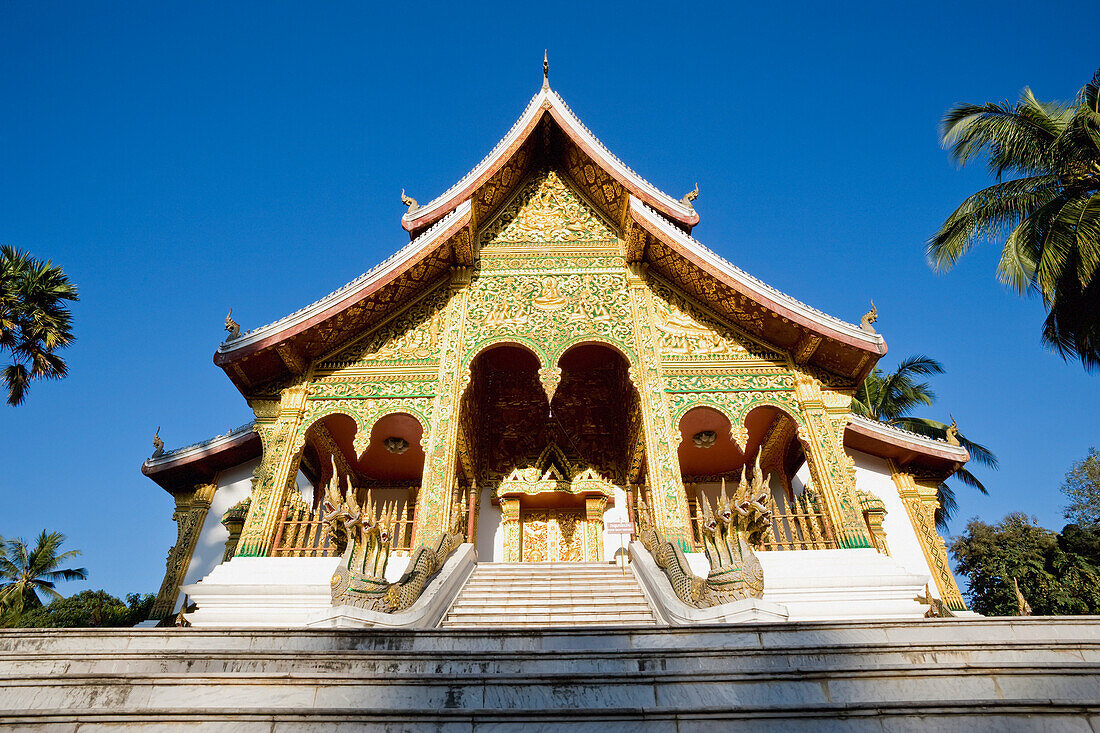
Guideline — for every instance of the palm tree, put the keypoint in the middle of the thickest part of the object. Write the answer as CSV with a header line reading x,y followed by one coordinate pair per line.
x,y
1048,219
889,398
23,574
34,320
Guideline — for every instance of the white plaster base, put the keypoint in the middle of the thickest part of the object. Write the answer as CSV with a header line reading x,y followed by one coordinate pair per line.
x,y
804,585
842,585
259,592
671,610
426,613
981,676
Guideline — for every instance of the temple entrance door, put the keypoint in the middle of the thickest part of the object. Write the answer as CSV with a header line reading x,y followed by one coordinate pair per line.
x,y
553,535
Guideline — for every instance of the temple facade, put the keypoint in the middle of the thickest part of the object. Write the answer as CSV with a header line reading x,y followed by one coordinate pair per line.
x,y
553,373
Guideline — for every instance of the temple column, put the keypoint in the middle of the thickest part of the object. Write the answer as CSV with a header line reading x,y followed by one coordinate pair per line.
x,y
433,501
191,509
277,471
666,488
233,521
874,513
919,497
594,507
825,414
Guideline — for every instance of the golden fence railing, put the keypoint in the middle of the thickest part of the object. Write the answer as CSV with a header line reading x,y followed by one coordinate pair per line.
x,y
796,525
301,533
799,525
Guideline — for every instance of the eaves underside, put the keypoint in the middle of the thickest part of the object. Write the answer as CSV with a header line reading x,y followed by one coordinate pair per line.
x,y
186,466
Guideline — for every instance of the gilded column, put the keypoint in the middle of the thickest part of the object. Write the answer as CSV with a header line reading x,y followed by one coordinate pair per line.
x,y
191,509
669,501
874,511
432,504
825,414
509,510
277,471
233,521
594,506
918,496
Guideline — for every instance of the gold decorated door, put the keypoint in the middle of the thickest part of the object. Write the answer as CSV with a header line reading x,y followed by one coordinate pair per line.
x,y
553,535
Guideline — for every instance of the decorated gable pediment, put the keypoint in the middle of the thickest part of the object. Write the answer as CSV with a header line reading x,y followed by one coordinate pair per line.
x,y
410,336
552,472
686,332
546,209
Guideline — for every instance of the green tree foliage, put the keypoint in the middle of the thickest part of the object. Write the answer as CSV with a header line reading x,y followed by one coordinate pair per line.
x,y
87,609
891,397
35,321
1082,487
25,573
1058,573
1048,218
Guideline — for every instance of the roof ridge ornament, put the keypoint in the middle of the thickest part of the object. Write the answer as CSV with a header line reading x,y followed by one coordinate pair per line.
x,y
868,318
952,434
690,196
231,326
545,69
158,444
409,201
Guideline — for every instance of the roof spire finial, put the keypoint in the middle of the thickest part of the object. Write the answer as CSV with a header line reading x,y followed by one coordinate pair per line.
x,y
545,69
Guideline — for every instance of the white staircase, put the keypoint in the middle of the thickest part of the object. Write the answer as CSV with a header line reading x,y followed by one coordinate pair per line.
x,y
549,594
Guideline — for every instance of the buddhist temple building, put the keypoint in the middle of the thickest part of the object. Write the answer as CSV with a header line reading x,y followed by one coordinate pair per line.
x,y
554,385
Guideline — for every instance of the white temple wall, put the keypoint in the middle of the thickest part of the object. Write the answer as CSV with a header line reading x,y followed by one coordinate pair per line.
x,y
490,532
234,484
617,513
873,475
801,478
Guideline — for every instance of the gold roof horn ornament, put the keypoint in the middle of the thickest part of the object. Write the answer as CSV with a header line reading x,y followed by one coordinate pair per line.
x,y
690,196
409,201
1023,608
952,435
869,318
231,326
158,444
545,69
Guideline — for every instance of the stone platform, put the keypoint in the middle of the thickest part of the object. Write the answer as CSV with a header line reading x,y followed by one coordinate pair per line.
x,y
974,675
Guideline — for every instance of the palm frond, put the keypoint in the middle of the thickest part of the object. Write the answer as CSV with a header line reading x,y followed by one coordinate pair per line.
x,y
964,476
948,505
989,214
980,453
1048,220
1011,138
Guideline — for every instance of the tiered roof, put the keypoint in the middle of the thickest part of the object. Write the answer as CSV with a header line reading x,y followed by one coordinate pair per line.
x,y
656,226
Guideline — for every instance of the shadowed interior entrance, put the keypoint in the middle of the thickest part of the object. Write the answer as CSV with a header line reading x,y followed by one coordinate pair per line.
x,y
549,453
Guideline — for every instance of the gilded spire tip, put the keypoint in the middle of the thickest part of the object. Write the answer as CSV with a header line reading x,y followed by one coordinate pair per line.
x,y
545,69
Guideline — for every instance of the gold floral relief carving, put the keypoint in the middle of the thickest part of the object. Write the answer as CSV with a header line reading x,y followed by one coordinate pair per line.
x,y
549,312
411,335
546,210
686,331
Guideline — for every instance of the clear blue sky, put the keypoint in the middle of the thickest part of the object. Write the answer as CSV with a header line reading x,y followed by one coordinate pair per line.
x,y
179,159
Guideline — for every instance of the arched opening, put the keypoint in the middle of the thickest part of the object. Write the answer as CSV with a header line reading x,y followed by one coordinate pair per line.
x,y
710,453
594,407
549,449
390,468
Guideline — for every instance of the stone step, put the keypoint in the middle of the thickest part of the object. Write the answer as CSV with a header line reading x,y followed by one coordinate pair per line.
x,y
500,620
554,589
1028,673
549,594
545,606
555,570
501,599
